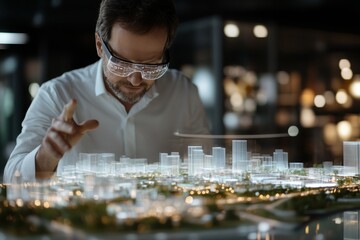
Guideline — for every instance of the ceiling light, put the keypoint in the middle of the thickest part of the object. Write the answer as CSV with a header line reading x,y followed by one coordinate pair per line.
x,y
13,38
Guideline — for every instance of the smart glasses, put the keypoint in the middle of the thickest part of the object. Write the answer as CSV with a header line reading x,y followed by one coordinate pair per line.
x,y
124,68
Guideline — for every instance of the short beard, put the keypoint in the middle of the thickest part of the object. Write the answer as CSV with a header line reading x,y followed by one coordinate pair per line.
x,y
128,98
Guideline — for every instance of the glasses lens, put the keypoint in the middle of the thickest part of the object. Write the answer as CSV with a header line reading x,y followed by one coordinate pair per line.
x,y
124,69
154,73
121,69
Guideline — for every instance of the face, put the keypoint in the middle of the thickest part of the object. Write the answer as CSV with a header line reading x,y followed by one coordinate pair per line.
x,y
146,48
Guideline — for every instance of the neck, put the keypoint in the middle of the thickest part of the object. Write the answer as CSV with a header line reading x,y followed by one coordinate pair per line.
x,y
127,106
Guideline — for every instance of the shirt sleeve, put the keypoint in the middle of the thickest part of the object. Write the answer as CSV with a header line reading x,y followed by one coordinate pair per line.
x,y
37,120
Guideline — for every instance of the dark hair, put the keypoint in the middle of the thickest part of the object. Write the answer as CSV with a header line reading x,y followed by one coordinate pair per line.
x,y
138,16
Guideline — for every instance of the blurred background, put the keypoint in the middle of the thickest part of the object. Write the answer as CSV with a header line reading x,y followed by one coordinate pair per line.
x,y
262,66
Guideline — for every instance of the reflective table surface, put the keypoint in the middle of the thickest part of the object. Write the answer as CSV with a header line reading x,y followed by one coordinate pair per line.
x,y
343,225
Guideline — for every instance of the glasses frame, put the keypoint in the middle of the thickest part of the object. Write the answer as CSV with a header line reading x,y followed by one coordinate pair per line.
x,y
135,67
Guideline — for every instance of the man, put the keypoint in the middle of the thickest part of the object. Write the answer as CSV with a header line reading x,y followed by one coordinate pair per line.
x,y
127,103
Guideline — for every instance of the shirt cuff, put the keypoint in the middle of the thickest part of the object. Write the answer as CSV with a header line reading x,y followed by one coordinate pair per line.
x,y
28,166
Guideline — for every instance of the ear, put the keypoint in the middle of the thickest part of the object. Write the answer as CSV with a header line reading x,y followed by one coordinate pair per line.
x,y
98,45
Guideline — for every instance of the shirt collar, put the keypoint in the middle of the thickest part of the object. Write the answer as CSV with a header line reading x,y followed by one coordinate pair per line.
x,y
99,81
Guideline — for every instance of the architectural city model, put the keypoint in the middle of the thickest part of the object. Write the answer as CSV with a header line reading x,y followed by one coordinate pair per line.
x,y
94,171
200,190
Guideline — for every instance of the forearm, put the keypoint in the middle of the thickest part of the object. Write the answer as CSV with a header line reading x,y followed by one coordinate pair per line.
x,y
45,164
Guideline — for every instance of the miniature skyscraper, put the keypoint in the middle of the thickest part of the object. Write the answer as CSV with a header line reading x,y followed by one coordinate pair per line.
x,y
351,157
280,160
239,156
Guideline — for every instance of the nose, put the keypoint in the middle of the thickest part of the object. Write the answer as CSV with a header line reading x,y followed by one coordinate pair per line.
x,y
135,79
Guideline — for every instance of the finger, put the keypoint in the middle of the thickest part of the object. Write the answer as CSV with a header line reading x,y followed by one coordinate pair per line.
x,y
68,110
88,126
82,129
62,126
58,142
50,149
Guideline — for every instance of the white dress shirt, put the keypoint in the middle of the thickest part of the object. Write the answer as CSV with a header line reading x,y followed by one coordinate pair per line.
x,y
171,105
